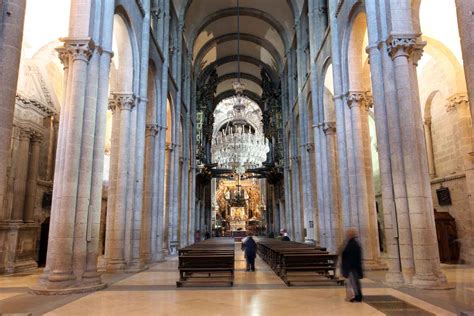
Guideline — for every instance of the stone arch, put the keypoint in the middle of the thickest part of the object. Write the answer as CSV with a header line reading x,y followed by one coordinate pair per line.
x,y
357,74
124,62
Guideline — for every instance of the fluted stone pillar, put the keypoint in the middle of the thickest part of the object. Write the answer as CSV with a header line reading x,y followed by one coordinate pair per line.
x,y
425,248
115,239
158,197
21,176
32,180
11,38
368,236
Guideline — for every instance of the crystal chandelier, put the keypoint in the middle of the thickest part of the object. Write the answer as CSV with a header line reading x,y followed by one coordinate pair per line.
x,y
238,146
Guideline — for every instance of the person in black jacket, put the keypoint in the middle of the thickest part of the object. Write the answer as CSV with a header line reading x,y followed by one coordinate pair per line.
x,y
351,263
250,249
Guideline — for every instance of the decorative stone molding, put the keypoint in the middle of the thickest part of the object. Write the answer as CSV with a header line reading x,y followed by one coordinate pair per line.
x,y
79,49
329,128
456,100
401,45
38,106
355,98
152,129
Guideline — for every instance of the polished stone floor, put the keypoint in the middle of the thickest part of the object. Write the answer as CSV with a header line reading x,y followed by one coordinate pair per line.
x,y
154,292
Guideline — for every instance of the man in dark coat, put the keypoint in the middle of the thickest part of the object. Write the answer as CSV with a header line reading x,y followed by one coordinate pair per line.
x,y
351,263
250,249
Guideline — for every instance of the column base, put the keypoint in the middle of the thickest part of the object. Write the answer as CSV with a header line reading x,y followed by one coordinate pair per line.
x,y
115,265
374,265
44,290
159,256
430,282
136,266
394,279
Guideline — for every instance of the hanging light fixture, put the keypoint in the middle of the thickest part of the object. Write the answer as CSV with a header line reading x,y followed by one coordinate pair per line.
x,y
238,146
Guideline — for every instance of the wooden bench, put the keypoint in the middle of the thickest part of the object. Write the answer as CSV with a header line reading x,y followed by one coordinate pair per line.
x,y
298,263
208,263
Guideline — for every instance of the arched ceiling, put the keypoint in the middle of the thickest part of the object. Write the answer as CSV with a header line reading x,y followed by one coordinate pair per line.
x,y
266,27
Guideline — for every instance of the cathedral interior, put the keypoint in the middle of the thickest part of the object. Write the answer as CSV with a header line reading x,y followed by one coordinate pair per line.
x,y
134,130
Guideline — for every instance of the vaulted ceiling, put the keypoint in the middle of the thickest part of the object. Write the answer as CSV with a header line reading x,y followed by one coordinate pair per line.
x,y
266,30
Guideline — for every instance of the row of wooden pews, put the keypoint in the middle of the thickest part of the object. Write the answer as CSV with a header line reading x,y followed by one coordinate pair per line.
x,y
298,263
207,263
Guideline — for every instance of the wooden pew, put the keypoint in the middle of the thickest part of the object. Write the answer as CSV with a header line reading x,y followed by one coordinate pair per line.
x,y
207,263
298,263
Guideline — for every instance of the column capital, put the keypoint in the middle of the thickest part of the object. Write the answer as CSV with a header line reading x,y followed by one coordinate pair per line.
x,y
418,52
36,137
369,101
63,56
124,101
152,129
296,23
456,100
309,147
355,98
401,45
427,121
112,105
25,134
79,48
329,128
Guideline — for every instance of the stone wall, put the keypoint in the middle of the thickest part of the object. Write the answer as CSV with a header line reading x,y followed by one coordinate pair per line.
x,y
459,210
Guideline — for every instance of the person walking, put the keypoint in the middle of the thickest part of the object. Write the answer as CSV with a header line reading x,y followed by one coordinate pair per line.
x,y
249,246
351,263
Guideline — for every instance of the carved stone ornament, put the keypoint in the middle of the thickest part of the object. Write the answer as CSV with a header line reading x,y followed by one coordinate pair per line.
x,y
456,100
25,134
36,137
63,56
79,49
112,105
401,45
329,128
152,129
309,147
355,98
124,101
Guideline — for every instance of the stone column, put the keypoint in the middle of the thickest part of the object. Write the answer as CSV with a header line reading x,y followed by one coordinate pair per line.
x,y
52,145
59,275
459,104
32,180
21,176
337,234
429,146
357,102
149,214
465,9
425,248
116,232
11,38
389,157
